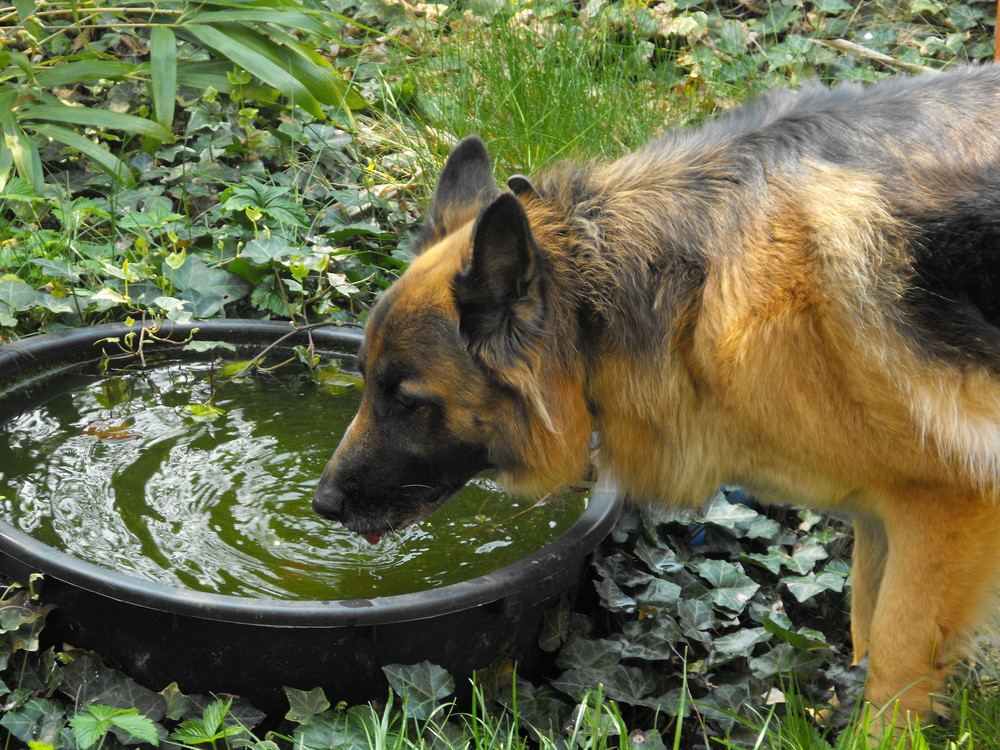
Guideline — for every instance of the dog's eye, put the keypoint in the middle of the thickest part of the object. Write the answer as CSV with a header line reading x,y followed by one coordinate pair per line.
x,y
406,401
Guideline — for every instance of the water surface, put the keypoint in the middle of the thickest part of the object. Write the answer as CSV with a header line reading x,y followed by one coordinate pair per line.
x,y
179,475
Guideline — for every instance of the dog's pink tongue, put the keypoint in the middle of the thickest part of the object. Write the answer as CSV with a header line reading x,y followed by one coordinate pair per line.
x,y
372,538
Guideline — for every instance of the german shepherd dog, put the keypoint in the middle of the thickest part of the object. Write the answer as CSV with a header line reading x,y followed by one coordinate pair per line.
x,y
801,297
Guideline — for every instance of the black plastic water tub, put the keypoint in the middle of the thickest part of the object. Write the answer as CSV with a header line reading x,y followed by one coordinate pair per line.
x,y
159,634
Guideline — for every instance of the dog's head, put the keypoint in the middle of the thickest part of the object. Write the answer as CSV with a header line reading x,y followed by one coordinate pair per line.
x,y
458,370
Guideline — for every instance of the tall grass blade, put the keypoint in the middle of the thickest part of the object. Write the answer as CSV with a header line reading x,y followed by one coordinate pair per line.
x,y
24,153
102,157
296,21
247,50
82,71
96,118
204,74
163,78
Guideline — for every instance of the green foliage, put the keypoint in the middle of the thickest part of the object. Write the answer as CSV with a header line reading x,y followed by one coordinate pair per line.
x,y
71,700
212,159
420,687
304,705
210,727
162,49
21,620
547,80
92,724
699,632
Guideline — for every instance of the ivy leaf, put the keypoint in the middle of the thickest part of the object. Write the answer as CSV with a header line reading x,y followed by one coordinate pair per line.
x,y
805,557
336,731
59,268
208,289
272,201
17,295
806,587
579,682
582,653
695,615
87,682
650,638
304,706
21,621
36,720
556,624
785,659
420,686
175,701
659,594
831,6
265,297
726,514
731,587
612,597
176,309
807,642
660,559
629,684
772,560
622,571
740,641
270,250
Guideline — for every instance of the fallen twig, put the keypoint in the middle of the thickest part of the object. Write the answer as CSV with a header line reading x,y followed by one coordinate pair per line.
x,y
861,51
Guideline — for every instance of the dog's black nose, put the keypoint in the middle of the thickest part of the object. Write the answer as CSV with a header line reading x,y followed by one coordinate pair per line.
x,y
329,500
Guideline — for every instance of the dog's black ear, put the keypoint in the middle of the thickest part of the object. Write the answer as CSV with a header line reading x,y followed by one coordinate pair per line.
x,y
500,294
522,186
464,187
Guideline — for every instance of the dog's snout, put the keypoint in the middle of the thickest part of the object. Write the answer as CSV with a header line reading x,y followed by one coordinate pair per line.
x,y
329,500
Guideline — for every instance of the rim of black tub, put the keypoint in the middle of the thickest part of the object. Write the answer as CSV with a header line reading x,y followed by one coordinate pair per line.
x,y
23,360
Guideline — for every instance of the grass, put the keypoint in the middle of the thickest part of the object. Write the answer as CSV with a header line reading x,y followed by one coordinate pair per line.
x,y
599,724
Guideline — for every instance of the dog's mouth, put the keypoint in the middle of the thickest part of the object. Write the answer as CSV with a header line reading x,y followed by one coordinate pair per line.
x,y
373,528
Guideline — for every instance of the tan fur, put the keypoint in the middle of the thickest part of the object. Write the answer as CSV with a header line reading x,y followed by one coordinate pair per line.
x,y
865,424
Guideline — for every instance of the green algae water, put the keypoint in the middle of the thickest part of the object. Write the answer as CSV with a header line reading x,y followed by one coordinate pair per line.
x,y
178,475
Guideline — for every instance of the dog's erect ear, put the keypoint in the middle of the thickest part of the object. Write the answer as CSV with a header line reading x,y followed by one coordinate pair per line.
x,y
522,186
464,187
500,294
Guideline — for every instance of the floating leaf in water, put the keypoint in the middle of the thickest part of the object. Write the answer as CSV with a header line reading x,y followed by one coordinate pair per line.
x,y
335,381
232,369
106,429
204,412
114,391
208,346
